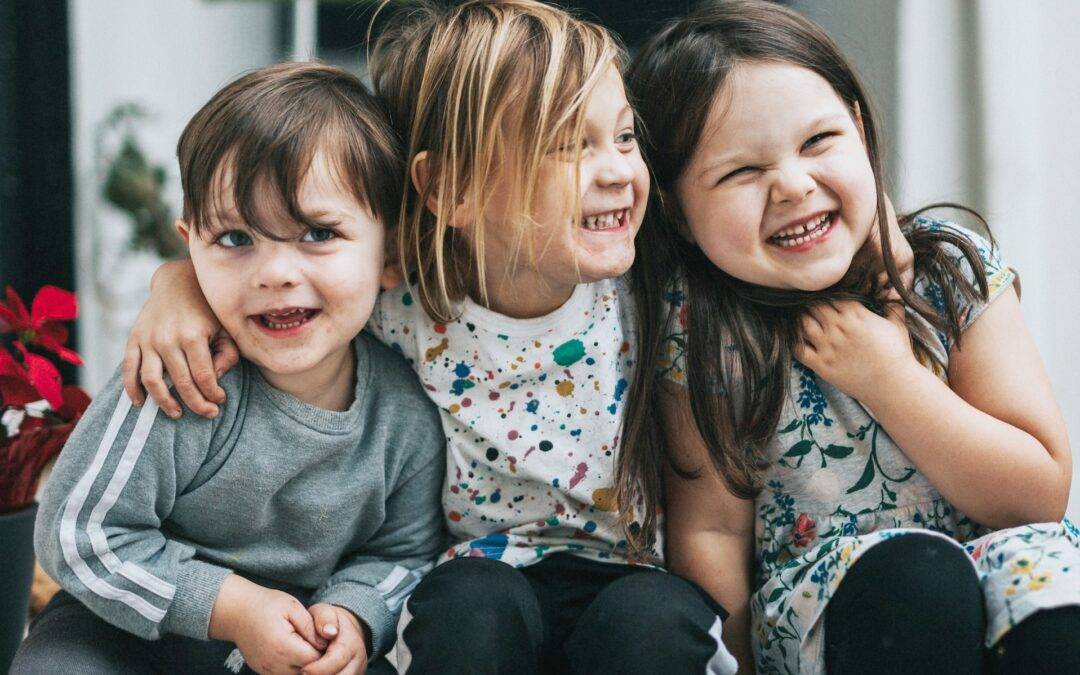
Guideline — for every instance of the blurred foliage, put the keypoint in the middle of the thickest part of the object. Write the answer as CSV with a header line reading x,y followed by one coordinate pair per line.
x,y
136,186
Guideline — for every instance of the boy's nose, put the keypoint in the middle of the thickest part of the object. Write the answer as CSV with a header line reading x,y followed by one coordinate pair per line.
x,y
792,183
279,267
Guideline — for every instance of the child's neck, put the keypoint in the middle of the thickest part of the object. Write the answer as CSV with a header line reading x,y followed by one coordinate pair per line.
x,y
540,299
330,385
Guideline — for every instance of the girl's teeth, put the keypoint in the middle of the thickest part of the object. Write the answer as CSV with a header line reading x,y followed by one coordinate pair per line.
x,y
800,234
605,221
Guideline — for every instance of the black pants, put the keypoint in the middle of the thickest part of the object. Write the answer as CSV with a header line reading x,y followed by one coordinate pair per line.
x,y
913,604
68,638
564,614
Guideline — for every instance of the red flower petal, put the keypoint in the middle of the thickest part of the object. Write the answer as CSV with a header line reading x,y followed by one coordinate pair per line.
x,y
50,343
56,331
16,391
76,401
9,366
54,304
19,317
44,376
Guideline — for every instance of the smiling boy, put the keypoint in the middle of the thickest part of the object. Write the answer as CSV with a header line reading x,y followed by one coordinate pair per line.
x,y
295,522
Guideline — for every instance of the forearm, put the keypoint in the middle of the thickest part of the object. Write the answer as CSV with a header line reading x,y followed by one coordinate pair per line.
x,y
720,563
984,466
171,272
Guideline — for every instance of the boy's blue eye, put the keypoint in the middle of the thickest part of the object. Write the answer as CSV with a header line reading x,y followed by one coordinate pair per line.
x,y
318,234
233,239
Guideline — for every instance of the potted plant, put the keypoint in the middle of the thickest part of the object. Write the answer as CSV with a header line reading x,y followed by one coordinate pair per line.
x,y
38,413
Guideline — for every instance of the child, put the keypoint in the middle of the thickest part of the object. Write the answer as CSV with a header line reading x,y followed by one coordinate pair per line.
x,y
317,483
526,188
769,172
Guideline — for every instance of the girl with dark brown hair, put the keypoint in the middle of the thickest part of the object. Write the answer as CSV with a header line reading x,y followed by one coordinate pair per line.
x,y
806,421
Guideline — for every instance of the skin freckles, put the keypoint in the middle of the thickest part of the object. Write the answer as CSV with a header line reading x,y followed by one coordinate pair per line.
x,y
780,151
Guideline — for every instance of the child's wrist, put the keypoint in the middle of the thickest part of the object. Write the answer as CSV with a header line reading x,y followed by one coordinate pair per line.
x,y
227,608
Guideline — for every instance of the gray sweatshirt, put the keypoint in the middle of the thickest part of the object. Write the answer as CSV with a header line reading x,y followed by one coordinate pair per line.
x,y
144,516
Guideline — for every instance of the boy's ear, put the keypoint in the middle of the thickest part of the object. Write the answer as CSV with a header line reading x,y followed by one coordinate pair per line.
x,y
182,228
391,276
420,173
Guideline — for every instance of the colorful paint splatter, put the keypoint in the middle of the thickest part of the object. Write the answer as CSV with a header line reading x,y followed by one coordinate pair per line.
x,y
532,412
837,485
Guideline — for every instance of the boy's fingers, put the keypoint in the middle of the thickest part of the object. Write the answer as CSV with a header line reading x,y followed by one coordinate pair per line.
x,y
152,378
132,361
304,626
358,666
326,620
297,652
335,659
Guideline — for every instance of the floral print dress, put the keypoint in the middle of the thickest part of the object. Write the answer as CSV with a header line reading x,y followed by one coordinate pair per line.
x,y
836,485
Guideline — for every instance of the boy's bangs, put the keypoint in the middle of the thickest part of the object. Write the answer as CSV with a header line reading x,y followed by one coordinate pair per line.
x,y
257,185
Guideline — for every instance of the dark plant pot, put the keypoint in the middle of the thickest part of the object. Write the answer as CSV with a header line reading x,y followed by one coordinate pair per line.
x,y
16,575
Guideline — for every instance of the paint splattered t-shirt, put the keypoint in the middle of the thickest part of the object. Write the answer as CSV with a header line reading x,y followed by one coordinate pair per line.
x,y
532,410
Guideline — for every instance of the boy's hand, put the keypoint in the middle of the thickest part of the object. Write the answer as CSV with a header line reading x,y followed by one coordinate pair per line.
x,y
273,630
855,350
174,333
348,638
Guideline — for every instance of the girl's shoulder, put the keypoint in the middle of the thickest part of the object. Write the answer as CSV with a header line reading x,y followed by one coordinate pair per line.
x,y
987,267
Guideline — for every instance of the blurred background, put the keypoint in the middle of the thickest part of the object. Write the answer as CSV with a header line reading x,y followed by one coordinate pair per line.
x,y
980,99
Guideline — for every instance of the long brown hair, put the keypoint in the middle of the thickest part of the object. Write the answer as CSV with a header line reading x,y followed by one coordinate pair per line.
x,y
740,336
487,88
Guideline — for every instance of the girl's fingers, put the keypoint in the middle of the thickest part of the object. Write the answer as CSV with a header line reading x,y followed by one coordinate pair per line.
x,y
176,365
805,354
201,365
130,370
150,372
226,355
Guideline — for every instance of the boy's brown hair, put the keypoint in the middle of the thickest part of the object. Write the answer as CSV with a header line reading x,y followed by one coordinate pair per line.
x,y
261,132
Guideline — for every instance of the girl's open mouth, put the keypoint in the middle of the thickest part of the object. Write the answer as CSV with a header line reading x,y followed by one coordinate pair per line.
x,y
612,220
802,237
285,321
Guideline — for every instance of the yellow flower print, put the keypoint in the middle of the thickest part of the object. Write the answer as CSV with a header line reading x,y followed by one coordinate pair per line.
x,y
1039,580
845,553
1021,565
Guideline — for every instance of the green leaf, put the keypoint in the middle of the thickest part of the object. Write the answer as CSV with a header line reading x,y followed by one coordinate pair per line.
x,y
776,594
838,451
799,449
795,424
866,478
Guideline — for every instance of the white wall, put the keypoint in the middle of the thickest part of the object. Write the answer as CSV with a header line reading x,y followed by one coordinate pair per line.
x,y
169,57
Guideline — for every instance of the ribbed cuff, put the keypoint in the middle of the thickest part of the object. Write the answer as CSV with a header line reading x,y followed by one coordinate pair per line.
x,y
197,587
368,605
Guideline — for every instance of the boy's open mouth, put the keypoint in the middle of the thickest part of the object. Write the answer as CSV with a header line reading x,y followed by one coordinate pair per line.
x,y
799,235
606,221
284,319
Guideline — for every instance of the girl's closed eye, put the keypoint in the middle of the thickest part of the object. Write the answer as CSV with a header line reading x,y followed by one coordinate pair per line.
x,y
817,139
741,172
233,239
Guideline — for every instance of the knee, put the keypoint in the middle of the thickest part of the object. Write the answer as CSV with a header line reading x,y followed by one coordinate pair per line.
x,y
476,592
920,574
642,607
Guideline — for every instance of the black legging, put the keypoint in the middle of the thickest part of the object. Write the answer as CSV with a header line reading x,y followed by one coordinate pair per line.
x,y
913,604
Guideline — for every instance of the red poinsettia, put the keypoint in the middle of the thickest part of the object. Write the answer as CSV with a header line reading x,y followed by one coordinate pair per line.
x,y
37,411
804,531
